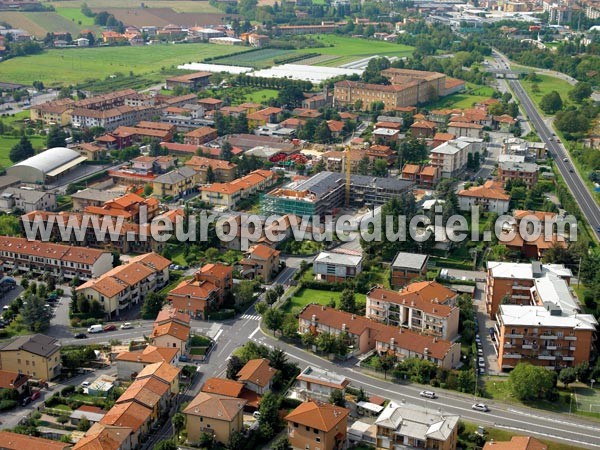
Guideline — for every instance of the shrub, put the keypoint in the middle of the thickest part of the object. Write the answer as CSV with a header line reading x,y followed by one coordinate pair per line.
x,y
223,314
62,419
67,390
7,404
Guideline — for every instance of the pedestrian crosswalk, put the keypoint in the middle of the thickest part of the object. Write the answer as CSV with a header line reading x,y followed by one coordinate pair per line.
x,y
251,316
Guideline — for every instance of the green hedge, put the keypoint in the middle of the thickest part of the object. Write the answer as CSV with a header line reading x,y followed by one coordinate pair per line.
x,y
323,285
224,314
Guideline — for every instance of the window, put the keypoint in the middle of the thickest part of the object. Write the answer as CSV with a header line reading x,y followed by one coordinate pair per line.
x,y
307,428
318,439
295,425
315,431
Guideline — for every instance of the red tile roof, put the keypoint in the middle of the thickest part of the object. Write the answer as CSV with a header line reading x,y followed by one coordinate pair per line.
x,y
322,416
257,371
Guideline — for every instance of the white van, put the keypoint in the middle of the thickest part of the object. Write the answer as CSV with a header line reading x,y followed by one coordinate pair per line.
x,y
95,329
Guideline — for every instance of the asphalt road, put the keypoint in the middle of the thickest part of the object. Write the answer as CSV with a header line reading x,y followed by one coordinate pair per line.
x,y
583,196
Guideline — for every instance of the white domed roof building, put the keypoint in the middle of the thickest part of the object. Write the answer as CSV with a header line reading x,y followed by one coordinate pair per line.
x,y
47,165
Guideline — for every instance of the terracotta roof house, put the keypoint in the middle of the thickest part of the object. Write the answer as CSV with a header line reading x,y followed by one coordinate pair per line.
x,y
15,441
423,129
516,443
314,424
164,372
261,261
430,304
257,375
221,416
132,363
105,437
130,415
13,380
490,197
171,334
222,386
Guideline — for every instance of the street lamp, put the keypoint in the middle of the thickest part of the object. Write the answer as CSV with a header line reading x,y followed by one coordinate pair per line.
x,y
592,381
570,402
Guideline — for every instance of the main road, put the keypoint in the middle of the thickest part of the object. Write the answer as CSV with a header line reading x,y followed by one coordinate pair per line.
x,y
584,198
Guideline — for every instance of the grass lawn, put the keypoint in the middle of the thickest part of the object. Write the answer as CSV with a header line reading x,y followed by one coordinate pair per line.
x,y
306,296
350,49
473,94
261,96
12,119
502,435
72,66
7,142
40,23
546,85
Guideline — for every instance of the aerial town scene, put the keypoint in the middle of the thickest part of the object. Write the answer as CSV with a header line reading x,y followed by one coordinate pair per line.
x,y
299,224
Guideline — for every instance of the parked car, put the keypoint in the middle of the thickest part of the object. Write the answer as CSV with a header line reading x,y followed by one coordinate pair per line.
x,y
80,336
110,327
481,362
36,395
95,329
480,407
183,358
26,401
479,351
85,384
126,326
428,394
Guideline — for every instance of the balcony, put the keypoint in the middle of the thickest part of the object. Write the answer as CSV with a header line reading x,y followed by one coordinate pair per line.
x,y
515,336
508,345
527,346
570,338
548,336
568,358
551,347
512,356
572,348
547,357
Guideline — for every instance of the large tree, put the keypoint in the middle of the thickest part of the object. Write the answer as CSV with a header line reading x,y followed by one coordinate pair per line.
x,y
56,137
580,92
22,150
153,303
348,301
529,382
35,314
551,102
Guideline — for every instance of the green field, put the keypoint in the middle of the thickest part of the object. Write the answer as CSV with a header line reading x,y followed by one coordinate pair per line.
x,y
548,84
349,49
307,296
258,59
40,23
75,15
191,6
261,96
464,100
8,142
73,66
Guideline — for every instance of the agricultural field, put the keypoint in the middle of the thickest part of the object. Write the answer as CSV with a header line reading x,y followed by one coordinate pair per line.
x,y
139,17
74,66
75,15
182,6
349,49
259,59
40,23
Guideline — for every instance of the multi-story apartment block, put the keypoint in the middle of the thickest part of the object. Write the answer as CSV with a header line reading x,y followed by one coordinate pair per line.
x,y
511,283
127,284
426,307
223,171
406,267
490,197
337,267
176,183
526,172
57,112
61,261
451,157
37,356
317,426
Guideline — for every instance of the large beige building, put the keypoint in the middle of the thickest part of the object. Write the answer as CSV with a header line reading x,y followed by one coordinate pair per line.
x,y
214,414
317,426
37,356
408,88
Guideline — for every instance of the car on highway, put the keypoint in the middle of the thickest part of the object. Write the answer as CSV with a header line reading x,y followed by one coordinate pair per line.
x,y
566,159
598,229
110,327
80,336
126,326
428,394
571,170
480,407
95,329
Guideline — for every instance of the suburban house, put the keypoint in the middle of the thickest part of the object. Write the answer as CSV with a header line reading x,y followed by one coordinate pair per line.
x,y
13,380
314,425
200,136
314,383
148,392
490,197
130,415
409,426
214,414
171,334
260,261
133,362
27,199
424,306
406,267
524,171
222,171
516,443
127,284
191,81
195,297
337,267
468,129
257,375
15,441
164,372
107,437
93,414
37,356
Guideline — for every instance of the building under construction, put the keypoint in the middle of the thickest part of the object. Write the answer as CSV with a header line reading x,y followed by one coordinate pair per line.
x,y
325,192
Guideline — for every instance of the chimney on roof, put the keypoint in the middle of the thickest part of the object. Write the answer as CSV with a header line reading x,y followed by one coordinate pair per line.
x,y
323,308
314,318
435,339
343,327
426,351
392,342
353,316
